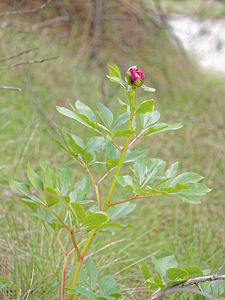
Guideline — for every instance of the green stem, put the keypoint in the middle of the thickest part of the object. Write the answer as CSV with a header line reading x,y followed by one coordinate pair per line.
x,y
106,204
80,262
105,207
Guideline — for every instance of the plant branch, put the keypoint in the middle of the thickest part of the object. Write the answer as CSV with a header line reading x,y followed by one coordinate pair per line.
x,y
110,140
75,245
135,197
12,88
64,272
80,262
108,199
180,286
200,289
136,138
38,61
104,176
96,187
18,54
220,269
26,11
64,225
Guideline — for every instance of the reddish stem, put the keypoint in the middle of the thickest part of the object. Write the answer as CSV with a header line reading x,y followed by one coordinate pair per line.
x,y
136,138
135,197
64,225
64,273
98,196
96,187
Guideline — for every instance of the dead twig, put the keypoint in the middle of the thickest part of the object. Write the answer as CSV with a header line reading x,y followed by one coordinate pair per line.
x,y
18,54
36,26
180,287
26,11
220,269
12,88
200,289
38,61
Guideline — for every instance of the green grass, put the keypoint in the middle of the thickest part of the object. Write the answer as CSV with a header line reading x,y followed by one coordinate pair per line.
x,y
194,234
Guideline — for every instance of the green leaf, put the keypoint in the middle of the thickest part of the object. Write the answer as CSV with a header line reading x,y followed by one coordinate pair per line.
x,y
68,113
154,283
131,98
78,212
51,196
111,151
85,291
82,278
117,80
193,271
188,198
114,296
20,187
81,190
85,110
140,169
108,286
127,181
198,189
92,272
95,220
34,178
164,263
148,89
122,119
161,127
181,187
185,178
86,156
172,170
83,119
176,273
121,210
123,104
148,172
65,180
149,118
114,71
50,178
78,140
96,144
125,133
105,114
134,155
145,271
29,202
112,163
98,125
145,107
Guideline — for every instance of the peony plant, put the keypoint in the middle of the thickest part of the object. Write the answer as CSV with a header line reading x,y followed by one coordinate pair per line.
x,y
65,206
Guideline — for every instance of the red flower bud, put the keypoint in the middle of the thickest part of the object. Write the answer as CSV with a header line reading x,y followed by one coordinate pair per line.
x,y
135,77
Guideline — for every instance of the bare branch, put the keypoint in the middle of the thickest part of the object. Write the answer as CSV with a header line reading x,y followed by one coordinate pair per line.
x,y
10,88
19,54
26,11
200,289
180,287
220,269
50,22
29,62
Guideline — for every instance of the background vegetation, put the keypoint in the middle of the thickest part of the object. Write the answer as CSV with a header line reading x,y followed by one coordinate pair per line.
x,y
184,93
